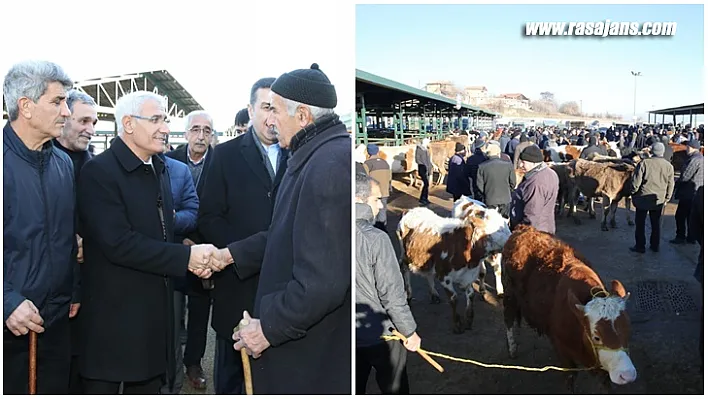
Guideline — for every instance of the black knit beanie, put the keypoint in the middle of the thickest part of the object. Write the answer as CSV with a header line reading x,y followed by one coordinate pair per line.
x,y
307,86
531,154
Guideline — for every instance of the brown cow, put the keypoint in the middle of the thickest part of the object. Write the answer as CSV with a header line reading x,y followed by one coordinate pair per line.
x,y
554,288
450,249
609,180
440,154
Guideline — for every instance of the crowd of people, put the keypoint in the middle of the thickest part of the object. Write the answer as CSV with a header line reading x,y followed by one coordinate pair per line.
x,y
102,251
489,175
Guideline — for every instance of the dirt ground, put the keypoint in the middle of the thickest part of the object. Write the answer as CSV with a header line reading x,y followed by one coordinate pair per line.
x,y
665,306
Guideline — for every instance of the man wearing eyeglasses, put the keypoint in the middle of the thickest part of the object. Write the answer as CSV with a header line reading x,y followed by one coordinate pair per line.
x,y
127,216
238,200
197,155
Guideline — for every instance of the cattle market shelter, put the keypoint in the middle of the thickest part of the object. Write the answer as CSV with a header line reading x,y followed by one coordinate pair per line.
x,y
389,112
107,90
690,110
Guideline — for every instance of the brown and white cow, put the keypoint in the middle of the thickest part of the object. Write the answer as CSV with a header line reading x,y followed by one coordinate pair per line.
x,y
554,289
609,180
464,208
451,250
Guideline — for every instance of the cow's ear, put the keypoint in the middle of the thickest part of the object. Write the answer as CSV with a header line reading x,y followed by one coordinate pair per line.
x,y
618,289
575,304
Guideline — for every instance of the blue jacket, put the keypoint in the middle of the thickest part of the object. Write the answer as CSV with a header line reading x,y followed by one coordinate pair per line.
x,y
184,196
39,251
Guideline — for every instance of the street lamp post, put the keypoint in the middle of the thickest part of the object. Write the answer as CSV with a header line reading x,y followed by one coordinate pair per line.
x,y
635,74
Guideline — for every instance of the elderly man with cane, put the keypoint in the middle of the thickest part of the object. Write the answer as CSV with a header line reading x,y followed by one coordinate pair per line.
x,y
301,333
40,271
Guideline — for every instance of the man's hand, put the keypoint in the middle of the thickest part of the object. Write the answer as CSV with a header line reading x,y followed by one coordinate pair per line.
x,y
251,337
199,260
220,259
189,242
413,343
80,254
25,318
74,310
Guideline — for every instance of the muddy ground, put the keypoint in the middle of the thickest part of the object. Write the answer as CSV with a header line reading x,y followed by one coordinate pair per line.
x,y
665,308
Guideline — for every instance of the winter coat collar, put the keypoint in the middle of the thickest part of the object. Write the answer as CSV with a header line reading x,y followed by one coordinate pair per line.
x,y
364,213
35,158
313,136
127,158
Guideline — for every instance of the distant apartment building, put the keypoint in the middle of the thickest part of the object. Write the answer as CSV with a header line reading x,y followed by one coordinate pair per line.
x,y
515,100
476,94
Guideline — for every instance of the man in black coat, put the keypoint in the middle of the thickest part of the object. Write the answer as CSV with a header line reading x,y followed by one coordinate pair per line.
x,y
238,202
301,334
689,181
472,165
40,284
495,181
126,214
199,158
74,141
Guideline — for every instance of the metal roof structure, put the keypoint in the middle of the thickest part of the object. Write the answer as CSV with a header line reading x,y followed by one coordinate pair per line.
x,y
696,109
107,90
380,92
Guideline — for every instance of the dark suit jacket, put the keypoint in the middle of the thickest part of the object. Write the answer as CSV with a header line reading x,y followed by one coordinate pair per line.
x,y
236,203
126,321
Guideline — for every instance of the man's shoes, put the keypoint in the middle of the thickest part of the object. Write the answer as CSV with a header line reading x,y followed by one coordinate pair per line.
x,y
654,249
424,202
691,242
678,240
195,375
638,250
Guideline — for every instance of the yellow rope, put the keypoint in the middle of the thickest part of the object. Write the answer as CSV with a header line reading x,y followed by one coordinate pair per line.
x,y
497,366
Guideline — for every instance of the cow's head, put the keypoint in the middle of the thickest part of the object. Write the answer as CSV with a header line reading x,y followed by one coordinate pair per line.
x,y
607,328
490,226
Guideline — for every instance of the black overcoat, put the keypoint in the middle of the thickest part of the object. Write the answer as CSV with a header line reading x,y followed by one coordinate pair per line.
x,y
128,259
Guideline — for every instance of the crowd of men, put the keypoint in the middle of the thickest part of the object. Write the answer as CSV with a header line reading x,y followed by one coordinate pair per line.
x,y
489,175
101,251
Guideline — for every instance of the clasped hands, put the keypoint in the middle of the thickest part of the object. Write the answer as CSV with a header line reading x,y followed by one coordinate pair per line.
x,y
205,259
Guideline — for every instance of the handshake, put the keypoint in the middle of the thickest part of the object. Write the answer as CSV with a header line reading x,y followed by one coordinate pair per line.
x,y
205,259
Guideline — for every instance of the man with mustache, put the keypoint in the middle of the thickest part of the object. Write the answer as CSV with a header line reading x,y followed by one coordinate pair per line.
x,y
198,156
126,212
238,199
39,250
74,141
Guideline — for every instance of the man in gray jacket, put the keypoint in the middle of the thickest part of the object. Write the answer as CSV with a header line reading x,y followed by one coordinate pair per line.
x,y
652,185
425,169
380,300
688,183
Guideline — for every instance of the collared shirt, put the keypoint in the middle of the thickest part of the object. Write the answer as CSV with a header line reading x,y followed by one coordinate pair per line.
x,y
270,154
196,168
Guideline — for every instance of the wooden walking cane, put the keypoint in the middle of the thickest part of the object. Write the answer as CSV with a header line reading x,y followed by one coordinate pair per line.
x,y
32,363
248,380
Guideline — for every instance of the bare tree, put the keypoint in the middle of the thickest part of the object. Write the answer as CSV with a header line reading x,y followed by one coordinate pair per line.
x,y
544,107
570,108
547,96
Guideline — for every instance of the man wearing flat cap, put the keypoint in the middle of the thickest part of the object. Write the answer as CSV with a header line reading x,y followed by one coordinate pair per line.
x,y
652,185
688,183
300,334
380,171
534,200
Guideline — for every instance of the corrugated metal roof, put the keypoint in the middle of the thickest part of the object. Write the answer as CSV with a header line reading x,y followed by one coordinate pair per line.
x,y
696,109
393,85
